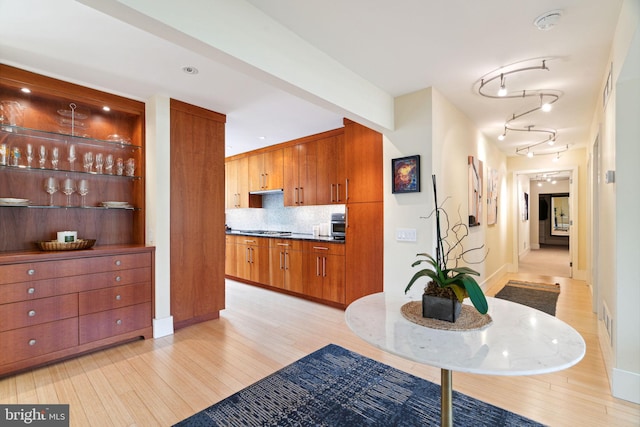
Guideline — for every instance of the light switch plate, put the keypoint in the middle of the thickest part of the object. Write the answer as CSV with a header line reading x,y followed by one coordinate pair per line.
x,y
406,234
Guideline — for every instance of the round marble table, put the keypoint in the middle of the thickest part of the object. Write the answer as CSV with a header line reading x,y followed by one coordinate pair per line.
x,y
519,341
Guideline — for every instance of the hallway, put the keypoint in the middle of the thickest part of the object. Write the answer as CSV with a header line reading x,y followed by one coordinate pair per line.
x,y
547,261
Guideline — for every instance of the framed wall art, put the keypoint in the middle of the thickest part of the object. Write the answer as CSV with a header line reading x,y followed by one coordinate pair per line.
x,y
406,174
475,191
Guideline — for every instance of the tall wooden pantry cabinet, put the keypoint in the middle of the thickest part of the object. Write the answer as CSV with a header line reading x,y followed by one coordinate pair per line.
x,y
197,214
71,159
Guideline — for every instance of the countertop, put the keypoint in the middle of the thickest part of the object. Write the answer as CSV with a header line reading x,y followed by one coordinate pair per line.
x,y
294,236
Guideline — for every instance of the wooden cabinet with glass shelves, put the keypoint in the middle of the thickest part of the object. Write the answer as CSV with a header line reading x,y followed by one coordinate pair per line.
x,y
63,133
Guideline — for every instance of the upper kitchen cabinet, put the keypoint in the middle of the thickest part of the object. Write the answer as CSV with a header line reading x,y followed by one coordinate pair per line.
x,y
266,171
197,213
363,163
330,183
300,174
237,183
71,158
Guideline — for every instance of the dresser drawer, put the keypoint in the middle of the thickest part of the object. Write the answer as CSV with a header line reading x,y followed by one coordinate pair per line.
x,y
14,273
106,324
324,248
37,311
103,263
26,343
88,282
14,292
114,297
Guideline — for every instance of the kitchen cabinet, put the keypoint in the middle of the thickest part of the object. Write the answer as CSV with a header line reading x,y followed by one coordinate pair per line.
x,y
252,254
363,163
285,269
237,183
61,132
300,174
197,213
331,180
230,256
266,170
324,271
364,246
59,304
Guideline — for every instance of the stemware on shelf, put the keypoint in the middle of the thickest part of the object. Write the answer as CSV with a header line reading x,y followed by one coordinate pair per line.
x,y
99,162
83,190
88,161
68,188
51,187
109,164
43,156
130,167
54,157
29,155
72,156
119,166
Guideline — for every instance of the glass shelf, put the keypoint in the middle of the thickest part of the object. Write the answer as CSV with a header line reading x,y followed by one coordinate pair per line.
x,y
104,208
24,168
64,137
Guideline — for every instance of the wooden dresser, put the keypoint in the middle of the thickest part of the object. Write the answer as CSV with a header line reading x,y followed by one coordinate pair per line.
x,y
57,305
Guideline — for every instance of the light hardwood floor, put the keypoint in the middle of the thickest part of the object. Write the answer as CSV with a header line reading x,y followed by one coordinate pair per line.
x,y
162,381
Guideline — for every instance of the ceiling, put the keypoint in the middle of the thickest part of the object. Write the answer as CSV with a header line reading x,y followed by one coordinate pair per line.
x,y
399,47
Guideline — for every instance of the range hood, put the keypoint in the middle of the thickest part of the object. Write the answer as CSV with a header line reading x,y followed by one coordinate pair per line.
x,y
275,191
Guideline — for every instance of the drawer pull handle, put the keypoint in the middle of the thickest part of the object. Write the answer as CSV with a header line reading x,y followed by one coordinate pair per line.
x,y
32,313
118,278
31,291
31,272
118,297
32,342
118,262
119,322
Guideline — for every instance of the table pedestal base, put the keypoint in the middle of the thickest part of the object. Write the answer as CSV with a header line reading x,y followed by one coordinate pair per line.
x,y
446,411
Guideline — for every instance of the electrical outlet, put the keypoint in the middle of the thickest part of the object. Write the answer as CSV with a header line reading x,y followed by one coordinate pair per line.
x,y
406,234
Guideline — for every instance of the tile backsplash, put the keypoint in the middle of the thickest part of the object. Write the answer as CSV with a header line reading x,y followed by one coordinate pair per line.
x,y
274,216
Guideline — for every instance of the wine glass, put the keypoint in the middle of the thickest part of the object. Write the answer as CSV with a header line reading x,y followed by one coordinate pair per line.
x,y
29,155
43,156
83,190
72,156
130,167
68,188
55,157
119,166
99,162
51,186
109,164
88,161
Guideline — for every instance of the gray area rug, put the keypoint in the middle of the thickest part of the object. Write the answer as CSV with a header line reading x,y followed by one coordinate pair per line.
x,y
337,387
540,296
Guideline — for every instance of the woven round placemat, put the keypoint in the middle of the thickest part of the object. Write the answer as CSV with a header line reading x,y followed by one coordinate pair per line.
x,y
468,320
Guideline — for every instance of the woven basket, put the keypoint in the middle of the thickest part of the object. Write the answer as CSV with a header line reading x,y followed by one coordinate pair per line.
x,y
54,245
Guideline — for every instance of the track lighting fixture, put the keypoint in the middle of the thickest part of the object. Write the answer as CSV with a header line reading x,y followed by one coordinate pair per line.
x,y
547,99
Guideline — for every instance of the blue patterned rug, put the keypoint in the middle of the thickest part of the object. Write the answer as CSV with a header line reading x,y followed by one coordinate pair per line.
x,y
336,387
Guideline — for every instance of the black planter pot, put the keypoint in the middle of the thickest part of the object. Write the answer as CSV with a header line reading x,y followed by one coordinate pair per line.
x,y
440,308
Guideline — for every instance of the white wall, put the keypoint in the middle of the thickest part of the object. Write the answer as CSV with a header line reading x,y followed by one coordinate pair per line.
x,y
429,125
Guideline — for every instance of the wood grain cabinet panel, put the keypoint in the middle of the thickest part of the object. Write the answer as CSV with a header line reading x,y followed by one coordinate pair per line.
x,y
27,343
115,297
105,324
34,312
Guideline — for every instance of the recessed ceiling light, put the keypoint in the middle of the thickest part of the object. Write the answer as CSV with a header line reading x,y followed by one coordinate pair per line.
x,y
190,69
547,20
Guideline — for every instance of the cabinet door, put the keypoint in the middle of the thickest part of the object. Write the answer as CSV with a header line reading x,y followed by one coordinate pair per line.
x,y
274,169
291,175
277,261
293,271
364,249
230,257
312,283
363,163
333,286
330,182
307,170
230,182
256,172
242,182
243,261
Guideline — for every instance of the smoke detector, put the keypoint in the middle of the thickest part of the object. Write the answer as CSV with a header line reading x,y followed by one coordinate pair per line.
x,y
547,20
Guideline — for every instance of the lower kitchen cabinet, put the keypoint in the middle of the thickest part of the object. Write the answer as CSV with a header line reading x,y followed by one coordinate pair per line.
x,y
252,255
324,271
285,264
59,304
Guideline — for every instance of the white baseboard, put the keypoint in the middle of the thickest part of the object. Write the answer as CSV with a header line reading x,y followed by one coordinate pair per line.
x,y
163,327
494,278
626,385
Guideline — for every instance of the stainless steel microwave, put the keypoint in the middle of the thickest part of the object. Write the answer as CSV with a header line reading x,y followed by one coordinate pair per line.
x,y
338,226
